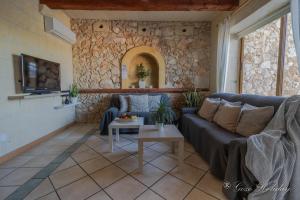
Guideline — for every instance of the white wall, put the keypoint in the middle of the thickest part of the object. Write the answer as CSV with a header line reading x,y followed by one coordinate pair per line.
x,y
22,31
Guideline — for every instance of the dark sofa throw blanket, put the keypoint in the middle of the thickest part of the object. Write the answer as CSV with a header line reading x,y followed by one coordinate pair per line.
x,y
273,156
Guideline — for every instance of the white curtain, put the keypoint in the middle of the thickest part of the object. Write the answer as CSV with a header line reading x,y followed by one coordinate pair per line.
x,y
222,54
295,12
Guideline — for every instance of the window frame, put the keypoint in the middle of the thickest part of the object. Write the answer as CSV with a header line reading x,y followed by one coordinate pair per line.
x,y
281,58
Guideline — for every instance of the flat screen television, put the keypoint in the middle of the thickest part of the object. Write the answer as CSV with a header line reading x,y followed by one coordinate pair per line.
x,y
39,75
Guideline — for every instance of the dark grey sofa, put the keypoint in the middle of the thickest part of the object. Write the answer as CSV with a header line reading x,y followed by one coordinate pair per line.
x,y
114,111
212,141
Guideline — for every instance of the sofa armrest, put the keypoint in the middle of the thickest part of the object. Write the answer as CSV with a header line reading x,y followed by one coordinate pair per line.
x,y
188,110
108,116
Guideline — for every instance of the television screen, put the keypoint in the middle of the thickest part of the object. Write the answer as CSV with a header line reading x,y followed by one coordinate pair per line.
x,y
39,75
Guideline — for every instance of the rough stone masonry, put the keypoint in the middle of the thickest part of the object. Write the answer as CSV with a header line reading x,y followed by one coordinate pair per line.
x,y
101,45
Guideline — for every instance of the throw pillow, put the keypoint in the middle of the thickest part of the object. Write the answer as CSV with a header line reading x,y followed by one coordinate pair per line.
x,y
138,103
123,103
227,116
154,102
254,119
209,108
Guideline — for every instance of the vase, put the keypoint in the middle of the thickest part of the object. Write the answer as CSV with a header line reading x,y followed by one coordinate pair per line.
x,y
74,100
142,84
160,127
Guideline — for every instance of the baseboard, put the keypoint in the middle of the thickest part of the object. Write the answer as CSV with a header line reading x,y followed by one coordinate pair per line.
x,y
32,144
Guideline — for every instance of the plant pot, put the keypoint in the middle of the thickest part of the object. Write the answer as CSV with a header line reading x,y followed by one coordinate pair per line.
x,y
74,100
160,126
142,84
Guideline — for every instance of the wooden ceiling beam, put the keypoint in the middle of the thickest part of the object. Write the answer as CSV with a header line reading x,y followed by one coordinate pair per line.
x,y
143,5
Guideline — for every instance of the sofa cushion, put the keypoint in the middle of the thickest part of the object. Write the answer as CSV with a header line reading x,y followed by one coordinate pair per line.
x,y
138,103
123,103
154,102
209,108
227,116
254,119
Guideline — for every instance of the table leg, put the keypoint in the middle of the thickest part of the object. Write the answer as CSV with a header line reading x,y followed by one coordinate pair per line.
x,y
180,154
141,152
117,134
110,139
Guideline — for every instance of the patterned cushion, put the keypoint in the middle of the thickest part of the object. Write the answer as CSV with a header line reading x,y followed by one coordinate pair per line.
x,y
138,103
123,103
154,102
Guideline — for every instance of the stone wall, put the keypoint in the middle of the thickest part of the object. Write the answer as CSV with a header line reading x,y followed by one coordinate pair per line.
x,y
260,61
101,45
291,74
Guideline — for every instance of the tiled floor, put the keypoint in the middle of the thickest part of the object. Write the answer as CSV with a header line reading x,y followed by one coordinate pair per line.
x,y
93,173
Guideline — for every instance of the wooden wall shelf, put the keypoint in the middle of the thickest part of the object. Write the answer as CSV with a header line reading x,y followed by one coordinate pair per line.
x,y
142,90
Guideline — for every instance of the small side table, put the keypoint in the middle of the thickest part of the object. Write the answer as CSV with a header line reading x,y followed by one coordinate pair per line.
x,y
150,133
117,125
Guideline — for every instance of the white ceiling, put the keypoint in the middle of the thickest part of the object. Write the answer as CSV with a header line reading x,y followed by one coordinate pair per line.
x,y
144,15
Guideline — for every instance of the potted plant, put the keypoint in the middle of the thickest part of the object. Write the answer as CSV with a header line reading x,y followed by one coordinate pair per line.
x,y
193,99
74,91
142,73
163,115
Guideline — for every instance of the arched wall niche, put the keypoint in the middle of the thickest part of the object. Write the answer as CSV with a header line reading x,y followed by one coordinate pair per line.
x,y
151,59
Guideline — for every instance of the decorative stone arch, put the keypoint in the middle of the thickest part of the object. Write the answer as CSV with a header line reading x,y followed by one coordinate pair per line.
x,y
151,58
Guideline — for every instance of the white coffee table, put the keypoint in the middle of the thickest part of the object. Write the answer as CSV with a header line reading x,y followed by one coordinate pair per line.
x,y
117,125
150,133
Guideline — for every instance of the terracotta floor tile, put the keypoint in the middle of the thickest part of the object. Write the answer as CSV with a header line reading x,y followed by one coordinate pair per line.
x,y
165,163
78,190
149,175
40,161
69,162
67,176
189,147
149,195
150,155
125,189
160,147
43,189
5,172
189,174
131,148
172,188
108,175
16,162
6,191
196,161
199,195
84,155
122,142
19,176
117,155
212,186
99,196
95,164
51,196
128,164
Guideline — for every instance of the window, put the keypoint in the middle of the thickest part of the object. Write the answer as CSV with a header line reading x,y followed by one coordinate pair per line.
x,y
268,60
291,75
